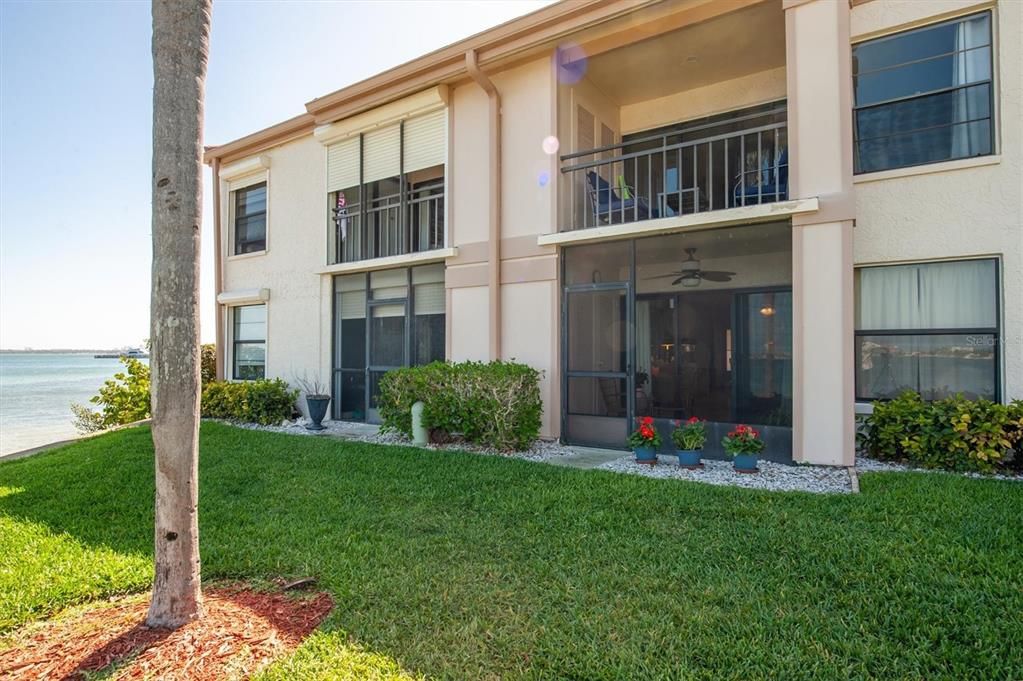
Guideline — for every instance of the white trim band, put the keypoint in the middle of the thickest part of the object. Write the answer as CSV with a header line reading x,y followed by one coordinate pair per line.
x,y
244,296
253,164
765,212
406,260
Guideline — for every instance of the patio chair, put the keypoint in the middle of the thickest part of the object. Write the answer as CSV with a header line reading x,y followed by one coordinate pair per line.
x,y
688,199
611,394
766,184
607,203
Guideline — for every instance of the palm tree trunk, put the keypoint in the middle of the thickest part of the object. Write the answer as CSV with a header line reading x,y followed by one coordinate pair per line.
x,y
181,30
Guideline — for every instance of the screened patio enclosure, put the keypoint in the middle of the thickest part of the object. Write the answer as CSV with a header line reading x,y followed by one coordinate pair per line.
x,y
693,324
383,320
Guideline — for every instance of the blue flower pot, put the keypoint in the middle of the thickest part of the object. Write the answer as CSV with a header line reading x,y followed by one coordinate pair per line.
x,y
689,458
745,463
317,410
647,455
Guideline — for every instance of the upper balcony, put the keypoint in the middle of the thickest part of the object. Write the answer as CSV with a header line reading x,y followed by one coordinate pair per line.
x,y
386,181
400,215
688,121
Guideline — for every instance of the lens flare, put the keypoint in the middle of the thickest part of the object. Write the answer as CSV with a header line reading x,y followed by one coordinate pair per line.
x,y
543,178
550,145
572,63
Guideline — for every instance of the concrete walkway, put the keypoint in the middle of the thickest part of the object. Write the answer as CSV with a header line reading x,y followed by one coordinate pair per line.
x,y
586,457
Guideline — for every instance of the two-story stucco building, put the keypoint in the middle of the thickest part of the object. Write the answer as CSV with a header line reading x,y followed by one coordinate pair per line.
x,y
759,211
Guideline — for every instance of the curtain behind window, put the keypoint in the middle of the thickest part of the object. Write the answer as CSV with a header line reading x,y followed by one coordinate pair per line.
x,y
949,295
970,67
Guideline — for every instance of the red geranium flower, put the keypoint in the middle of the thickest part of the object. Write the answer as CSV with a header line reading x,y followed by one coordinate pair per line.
x,y
693,419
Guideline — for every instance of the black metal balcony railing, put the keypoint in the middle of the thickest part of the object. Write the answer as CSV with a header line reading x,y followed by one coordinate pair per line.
x,y
668,175
388,226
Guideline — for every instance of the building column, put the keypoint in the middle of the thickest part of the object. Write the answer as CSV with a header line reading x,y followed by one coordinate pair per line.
x,y
819,84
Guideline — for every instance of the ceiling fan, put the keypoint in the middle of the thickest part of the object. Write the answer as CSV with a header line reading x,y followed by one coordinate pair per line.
x,y
690,275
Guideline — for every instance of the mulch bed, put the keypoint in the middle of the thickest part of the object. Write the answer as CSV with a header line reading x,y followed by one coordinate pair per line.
x,y
242,631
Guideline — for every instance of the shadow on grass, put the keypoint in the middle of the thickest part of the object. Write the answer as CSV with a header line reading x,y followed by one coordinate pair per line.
x,y
466,566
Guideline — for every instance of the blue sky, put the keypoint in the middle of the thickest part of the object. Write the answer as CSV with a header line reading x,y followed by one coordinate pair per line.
x,y
75,146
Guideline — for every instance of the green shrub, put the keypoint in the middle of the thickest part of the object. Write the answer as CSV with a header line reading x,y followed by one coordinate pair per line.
x,y
267,402
208,362
954,434
495,404
122,399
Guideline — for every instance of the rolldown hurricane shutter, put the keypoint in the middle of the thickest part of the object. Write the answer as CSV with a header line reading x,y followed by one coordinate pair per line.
x,y
353,305
381,153
430,299
343,164
426,140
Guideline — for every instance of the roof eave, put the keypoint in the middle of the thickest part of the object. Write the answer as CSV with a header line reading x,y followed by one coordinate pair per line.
x,y
501,43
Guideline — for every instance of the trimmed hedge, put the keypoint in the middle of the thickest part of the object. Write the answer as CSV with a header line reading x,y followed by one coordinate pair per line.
x,y
955,433
267,402
495,404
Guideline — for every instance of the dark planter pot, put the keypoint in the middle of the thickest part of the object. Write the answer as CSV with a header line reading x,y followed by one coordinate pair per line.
x,y
689,458
745,463
647,455
317,410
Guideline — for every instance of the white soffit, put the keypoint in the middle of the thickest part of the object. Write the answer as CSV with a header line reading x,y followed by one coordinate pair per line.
x,y
248,166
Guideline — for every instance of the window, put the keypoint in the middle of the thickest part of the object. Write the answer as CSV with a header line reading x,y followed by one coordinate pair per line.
x,y
387,189
249,342
383,320
250,219
931,328
924,96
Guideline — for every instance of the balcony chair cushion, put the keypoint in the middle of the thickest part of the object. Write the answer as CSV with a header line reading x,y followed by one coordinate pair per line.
x,y
769,189
607,201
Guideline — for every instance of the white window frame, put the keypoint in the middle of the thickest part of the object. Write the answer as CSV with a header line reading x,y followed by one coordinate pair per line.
x,y
863,405
235,177
951,164
230,301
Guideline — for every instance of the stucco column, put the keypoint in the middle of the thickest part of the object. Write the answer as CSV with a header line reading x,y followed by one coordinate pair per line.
x,y
819,84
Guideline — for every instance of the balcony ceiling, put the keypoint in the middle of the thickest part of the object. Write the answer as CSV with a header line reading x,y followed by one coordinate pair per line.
x,y
737,44
716,244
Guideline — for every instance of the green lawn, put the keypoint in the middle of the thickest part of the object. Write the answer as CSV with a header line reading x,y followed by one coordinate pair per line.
x,y
462,566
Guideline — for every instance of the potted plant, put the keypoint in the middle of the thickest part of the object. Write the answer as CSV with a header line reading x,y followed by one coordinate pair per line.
x,y
743,444
645,440
316,400
689,438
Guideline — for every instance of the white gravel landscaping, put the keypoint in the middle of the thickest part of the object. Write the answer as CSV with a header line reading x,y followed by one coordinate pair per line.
x,y
867,465
772,476
540,450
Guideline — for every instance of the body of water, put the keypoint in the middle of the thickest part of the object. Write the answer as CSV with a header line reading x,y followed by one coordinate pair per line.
x,y
36,392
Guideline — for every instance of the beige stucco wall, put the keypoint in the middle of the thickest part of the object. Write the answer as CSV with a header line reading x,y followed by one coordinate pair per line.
x,y
737,93
469,312
819,85
957,209
529,336
298,311
526,106
528,272
469,165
